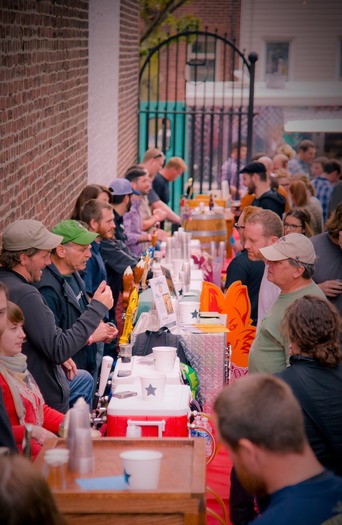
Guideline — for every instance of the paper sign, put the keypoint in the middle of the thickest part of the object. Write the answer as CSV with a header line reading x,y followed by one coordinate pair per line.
x,y
162,299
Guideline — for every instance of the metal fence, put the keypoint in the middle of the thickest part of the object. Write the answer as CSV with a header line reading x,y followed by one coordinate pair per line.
x,y
196,101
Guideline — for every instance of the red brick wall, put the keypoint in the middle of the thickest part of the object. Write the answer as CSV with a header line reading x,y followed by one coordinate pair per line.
x,y
128,85
43,99
221,16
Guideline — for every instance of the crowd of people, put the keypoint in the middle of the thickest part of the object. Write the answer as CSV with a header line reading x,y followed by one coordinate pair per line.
x,y
289,257
64,288
61,308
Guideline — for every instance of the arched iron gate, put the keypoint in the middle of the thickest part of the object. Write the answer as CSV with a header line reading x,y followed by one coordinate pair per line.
x,y
196,100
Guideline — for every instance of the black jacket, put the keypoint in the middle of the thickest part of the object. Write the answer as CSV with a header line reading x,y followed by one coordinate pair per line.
x,y
62,301
271,200
117,257
46,346
324,388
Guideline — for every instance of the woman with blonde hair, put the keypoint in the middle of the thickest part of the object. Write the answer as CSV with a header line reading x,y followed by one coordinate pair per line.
x,y
313,326
23,399
301,199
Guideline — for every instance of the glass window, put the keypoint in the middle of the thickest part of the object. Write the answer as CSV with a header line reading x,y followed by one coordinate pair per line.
x,y
202,60
277,58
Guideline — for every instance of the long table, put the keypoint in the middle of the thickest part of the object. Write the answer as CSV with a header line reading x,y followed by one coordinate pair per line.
x,y
180,498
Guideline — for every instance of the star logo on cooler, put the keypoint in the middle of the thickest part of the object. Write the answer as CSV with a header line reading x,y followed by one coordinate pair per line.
x,y
194,314
126,477
150,390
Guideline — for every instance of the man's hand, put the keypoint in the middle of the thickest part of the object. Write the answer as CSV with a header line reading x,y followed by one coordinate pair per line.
x,y
331,288
162,235
70,369
159,214
105,333
104,295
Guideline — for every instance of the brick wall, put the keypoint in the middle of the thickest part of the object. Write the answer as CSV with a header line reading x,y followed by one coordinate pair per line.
x,y
223,15
128,85
43,100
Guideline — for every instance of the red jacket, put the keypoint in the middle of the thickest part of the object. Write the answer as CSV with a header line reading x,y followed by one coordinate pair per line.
x,y
52,418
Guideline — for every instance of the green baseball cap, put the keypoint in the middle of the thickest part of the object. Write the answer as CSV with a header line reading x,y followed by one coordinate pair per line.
x,y
74,231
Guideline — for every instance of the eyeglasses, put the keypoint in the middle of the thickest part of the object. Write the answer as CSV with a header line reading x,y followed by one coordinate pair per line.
x,y
292,226
238,227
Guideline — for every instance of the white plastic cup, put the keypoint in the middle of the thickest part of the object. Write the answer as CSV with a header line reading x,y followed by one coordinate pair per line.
x,y
189,312
141,468
153,386
55,464
164,357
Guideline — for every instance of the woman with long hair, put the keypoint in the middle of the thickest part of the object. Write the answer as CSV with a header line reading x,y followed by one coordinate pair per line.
x,y
297,220
315,375
91,191
22,397
302,199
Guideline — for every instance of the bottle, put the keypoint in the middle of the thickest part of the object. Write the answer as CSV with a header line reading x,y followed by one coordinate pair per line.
x,y
194,431
201,433
211,202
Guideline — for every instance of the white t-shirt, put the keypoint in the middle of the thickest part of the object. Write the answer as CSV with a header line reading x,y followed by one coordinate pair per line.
x,y
268,294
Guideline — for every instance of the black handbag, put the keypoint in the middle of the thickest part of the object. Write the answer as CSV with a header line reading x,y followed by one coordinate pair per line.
x,y
145,341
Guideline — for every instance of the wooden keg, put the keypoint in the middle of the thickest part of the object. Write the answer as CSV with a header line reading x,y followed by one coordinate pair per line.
x,y
207,227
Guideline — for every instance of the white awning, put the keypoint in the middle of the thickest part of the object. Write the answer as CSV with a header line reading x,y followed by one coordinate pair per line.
x,y
313,121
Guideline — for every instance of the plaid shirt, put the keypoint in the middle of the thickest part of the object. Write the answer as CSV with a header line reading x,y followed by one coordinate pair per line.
x,y
323,188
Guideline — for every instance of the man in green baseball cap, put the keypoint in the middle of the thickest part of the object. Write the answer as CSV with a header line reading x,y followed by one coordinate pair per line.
x,y
65,293
74,231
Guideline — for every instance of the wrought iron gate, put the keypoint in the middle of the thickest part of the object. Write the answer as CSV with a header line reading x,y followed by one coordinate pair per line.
x,y
196,101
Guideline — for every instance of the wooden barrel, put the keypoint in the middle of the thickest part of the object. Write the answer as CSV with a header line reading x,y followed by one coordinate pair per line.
x,y
207,227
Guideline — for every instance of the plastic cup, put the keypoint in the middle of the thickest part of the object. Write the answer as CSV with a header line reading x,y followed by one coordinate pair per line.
x,y
164,357
189,312
141,468
78,417
55,464
153,386
81,455
126,353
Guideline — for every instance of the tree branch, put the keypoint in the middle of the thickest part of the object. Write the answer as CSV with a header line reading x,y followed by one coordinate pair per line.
x,y
169,7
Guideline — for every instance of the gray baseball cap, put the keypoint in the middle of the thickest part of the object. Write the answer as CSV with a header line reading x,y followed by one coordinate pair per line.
x,y
23,234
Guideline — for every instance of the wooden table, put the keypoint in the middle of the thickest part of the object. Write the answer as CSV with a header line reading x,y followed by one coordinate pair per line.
x,y
180,498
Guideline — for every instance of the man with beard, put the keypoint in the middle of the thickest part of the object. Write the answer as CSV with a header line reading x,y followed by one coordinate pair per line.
x,y
262,425
139,240
116,252
98,215
255,179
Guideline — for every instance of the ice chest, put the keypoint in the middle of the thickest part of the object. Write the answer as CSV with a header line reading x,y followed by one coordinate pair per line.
x,y
141,365
165,418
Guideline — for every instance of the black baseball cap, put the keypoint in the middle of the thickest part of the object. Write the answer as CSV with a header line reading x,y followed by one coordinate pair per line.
x,y
254,167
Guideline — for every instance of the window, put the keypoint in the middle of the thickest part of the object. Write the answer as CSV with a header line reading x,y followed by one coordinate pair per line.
x,y
202,60
277,58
